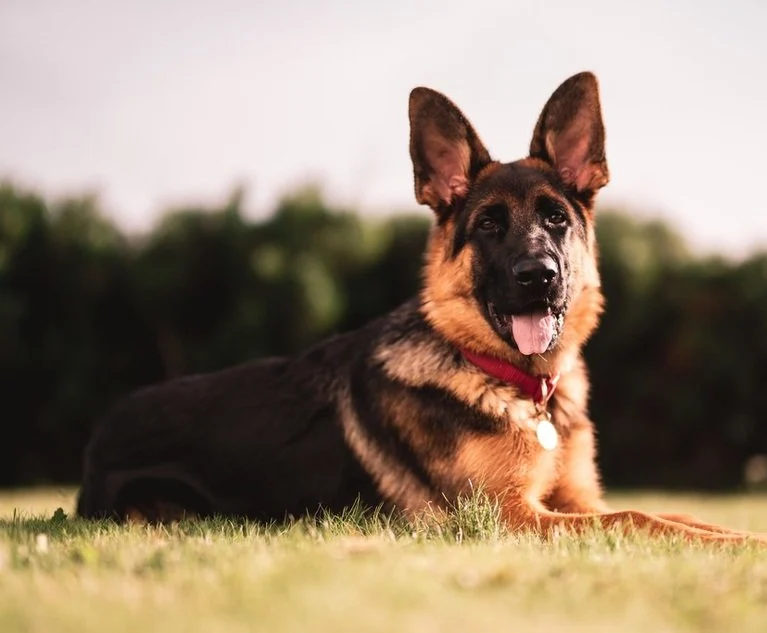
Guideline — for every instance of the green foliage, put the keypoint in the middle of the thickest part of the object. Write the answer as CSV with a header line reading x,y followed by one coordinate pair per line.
x,y
87,314
679,360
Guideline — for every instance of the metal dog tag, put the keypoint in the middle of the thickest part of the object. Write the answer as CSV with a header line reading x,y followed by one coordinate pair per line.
x,y
547,434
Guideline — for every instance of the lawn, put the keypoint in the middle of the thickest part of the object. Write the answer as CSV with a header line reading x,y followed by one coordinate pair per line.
x,y
358,573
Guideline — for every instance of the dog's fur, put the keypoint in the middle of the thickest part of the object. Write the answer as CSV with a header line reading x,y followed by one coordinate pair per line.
x,y
393,413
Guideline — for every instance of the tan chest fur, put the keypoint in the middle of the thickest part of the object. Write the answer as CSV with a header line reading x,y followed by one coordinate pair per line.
x,y
508,461
511,461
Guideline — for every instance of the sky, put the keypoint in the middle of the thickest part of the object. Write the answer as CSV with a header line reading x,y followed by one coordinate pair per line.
x,y
164,103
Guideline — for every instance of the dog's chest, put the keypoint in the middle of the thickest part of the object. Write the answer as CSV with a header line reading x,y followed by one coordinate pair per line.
x,y
494,430
521,456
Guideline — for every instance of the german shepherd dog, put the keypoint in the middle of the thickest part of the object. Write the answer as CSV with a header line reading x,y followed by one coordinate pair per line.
x,y
477,382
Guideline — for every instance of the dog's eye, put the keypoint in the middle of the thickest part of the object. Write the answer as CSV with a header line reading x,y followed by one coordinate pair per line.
x,y
556,217
487,224
493,219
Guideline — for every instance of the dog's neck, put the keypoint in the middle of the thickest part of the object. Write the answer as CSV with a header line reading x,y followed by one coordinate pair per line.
x,y
538,387
413,351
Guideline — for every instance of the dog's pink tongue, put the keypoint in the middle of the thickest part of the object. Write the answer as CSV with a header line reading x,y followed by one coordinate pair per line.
x,y
533,332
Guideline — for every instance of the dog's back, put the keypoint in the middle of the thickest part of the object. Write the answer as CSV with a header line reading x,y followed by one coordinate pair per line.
x,y
260,440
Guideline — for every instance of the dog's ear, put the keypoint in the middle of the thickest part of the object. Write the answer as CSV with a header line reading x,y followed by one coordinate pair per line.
x,y
446,151
570,135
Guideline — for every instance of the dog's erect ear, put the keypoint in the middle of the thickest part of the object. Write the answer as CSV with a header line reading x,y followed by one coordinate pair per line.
x,y
570,135
446,151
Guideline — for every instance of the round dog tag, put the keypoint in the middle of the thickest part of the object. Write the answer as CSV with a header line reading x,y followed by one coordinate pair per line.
x,y
547,435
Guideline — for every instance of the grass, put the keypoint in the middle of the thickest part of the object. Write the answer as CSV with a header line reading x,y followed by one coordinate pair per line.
x,y
373,573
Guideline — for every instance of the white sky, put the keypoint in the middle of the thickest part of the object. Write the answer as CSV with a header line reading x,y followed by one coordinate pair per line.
x,y
157,103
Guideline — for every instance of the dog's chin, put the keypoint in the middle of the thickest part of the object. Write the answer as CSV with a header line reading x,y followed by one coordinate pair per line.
x,y
535,329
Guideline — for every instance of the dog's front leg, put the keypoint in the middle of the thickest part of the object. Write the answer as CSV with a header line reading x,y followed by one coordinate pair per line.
x,y
691,521
521,515
578,493
578,489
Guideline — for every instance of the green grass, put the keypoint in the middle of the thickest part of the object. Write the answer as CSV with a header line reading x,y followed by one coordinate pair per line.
x,y
373,573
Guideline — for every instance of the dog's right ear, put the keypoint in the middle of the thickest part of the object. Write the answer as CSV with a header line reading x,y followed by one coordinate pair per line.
x,y
446,151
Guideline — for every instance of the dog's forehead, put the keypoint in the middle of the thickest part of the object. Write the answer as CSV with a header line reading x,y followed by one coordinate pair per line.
x,y
516,182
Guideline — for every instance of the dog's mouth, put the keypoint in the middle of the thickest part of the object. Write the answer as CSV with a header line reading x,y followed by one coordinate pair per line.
x,y
533,330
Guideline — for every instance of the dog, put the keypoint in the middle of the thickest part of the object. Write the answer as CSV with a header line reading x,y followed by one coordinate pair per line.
x,y
477,382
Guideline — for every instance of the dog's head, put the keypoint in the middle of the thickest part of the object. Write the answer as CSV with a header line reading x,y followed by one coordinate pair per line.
x,y
511,263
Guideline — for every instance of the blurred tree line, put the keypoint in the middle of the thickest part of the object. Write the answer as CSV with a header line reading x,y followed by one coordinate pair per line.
x,y
87,314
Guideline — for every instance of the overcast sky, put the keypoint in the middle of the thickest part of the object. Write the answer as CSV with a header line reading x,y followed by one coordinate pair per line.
x,y
157,103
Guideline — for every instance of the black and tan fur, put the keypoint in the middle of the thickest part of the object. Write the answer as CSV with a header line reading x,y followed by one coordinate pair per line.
x,y
393,413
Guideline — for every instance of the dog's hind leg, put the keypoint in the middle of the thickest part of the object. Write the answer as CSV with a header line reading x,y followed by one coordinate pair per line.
x,y
160,500
157,512
143,497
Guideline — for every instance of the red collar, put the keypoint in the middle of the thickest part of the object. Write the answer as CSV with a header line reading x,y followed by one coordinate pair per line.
x,y
539,388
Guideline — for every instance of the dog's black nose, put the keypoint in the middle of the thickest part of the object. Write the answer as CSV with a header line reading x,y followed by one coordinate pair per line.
x,y
535,273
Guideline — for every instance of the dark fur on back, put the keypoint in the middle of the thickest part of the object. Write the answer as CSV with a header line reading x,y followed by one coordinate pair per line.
x,y
271,438
240,441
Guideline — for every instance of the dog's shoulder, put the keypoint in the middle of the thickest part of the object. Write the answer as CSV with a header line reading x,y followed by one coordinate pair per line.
x,y
410,352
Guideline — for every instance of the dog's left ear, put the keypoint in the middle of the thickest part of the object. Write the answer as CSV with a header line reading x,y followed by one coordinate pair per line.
x,y
570,135
446,151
